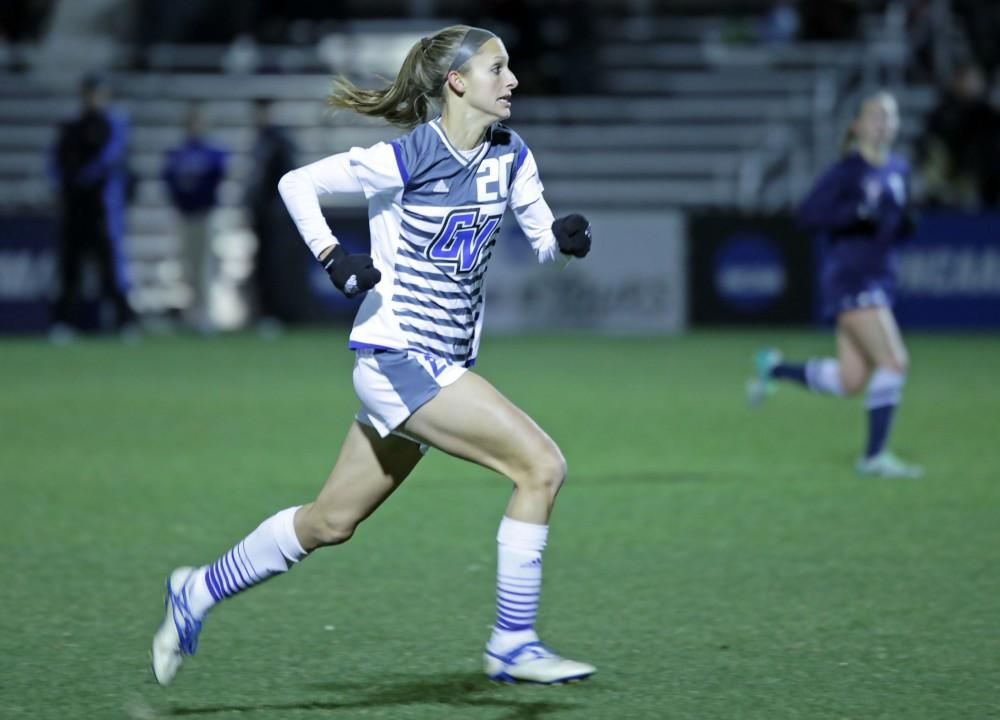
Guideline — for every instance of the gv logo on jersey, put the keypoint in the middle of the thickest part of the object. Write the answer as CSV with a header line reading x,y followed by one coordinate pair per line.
x,y
462,238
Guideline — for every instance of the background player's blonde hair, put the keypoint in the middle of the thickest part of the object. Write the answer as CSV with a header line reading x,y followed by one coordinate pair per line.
x,y
849,142
421,79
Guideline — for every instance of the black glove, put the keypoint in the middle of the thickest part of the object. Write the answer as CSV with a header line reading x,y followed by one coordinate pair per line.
x,y
351,273
573,235
907,223
865,222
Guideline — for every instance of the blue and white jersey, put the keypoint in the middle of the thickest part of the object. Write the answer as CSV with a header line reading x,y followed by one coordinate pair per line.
x,y
434,215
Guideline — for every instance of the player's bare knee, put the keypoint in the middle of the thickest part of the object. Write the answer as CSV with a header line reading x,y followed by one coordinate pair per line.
x,y
854,383
547,471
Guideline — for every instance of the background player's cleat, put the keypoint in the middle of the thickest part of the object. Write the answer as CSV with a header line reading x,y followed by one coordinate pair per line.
x,y
761,384
178,634
534,663
887,465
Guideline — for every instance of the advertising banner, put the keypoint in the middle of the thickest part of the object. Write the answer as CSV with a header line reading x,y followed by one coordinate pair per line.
x,y
949,274
633,280
27,273
748,270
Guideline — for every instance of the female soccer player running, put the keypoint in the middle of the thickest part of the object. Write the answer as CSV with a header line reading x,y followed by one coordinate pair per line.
x,y
861,207
436,197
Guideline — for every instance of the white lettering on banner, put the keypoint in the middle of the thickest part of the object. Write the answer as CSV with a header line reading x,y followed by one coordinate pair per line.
x,y
633,280
950,271
25,276
585,302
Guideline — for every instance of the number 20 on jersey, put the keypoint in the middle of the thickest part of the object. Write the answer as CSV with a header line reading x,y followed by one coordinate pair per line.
x,y
491,180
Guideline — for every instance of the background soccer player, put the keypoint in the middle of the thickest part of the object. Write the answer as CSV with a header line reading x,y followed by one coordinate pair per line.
x,y
861,207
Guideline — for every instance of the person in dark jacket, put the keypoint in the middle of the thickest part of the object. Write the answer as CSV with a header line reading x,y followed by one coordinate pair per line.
x,y
87,164
273,156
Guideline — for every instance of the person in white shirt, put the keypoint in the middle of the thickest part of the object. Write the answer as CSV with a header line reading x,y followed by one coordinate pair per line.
x,y
436,198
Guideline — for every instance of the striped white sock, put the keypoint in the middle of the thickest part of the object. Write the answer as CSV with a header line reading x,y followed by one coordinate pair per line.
x,y
519,583
823,376
269,550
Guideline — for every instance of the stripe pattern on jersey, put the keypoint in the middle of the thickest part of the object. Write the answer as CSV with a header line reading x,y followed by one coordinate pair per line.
x,y
440,268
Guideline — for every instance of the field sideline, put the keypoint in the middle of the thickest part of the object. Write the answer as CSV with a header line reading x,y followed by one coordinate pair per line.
x,y
711,561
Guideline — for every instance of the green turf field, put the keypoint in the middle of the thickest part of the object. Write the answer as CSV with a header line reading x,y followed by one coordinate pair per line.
x,y
712,562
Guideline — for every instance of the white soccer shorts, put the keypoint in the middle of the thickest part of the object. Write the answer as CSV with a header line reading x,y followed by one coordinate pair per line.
x,y
392,384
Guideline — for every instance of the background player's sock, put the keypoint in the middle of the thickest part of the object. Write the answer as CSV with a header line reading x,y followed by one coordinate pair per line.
x,y
789,371
885,389
270,549
823,376
820,375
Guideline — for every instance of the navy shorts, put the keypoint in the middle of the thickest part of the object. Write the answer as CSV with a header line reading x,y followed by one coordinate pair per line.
x,y
875,293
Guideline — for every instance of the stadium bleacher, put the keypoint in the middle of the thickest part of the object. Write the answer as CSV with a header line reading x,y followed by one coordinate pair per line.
x,y
680,118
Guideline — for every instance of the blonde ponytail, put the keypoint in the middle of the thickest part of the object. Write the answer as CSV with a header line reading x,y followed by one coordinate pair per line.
x,y
419,83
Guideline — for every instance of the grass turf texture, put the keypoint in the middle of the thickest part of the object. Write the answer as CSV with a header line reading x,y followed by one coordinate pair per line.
x,y
711,561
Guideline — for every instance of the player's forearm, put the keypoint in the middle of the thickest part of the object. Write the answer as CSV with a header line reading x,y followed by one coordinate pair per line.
x,y
535,221
300,190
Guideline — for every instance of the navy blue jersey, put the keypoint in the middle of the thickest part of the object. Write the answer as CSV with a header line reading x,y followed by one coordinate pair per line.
x,y
858,210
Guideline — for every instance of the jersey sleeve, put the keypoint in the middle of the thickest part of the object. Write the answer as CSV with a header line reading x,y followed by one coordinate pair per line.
x,y
527,186
832,203
300,190
379,168
535,221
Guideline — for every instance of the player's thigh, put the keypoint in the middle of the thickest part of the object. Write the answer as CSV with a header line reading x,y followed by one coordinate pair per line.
x,y
854,367
368,469
874,331
894,338
471,420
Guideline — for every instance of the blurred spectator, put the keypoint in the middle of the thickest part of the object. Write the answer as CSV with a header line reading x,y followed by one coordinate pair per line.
x,y
568,47
518,23
193,172
780,24
981,21
88,165
21,22
921,24
273,156
959,149
167,22
830,20
552,43
212,22
281,21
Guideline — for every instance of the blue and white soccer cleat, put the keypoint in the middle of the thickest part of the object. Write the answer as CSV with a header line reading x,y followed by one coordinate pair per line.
x,y
534,663
762,384
178,633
